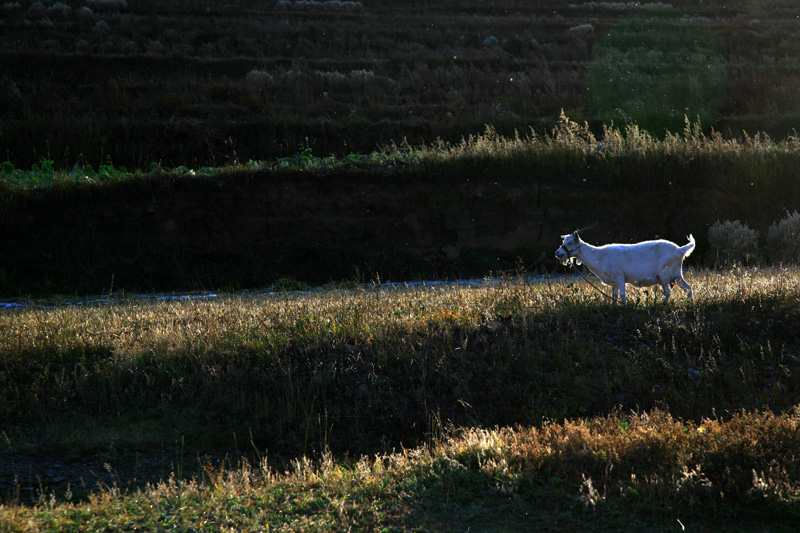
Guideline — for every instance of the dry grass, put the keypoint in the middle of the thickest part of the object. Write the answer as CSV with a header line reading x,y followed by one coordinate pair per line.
x,y
121,348
352,343
650,468
343,372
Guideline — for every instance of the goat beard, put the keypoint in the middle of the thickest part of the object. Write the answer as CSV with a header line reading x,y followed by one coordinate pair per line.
x,y
569,261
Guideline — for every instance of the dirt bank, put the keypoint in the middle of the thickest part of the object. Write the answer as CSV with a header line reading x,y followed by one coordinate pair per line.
x,y
248,229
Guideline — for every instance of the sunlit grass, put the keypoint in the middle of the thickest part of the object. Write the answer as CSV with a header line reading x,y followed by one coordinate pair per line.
x,y
300,352
334,373
651,468
686,155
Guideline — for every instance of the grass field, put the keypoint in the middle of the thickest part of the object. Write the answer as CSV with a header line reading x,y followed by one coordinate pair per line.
x,y
511,404
149,145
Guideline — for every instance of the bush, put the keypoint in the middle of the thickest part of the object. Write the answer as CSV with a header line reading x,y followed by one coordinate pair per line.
x,y
108,4
782,238
732,242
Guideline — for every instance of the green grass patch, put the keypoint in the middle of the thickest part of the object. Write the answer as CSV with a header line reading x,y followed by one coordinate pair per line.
x,y
655,70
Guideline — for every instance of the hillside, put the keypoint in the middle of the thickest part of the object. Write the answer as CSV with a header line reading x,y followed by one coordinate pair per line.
x,y
211,83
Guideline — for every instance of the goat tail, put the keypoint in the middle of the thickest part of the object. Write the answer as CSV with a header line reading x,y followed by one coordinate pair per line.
x,y
688,248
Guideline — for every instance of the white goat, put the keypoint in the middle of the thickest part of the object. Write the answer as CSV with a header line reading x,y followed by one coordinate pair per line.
x,y
641,264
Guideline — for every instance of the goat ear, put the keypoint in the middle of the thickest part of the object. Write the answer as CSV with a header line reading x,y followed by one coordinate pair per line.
x,y
564,236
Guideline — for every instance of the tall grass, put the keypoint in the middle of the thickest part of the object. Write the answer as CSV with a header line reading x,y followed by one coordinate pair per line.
x,y
626,157
648,471
619,155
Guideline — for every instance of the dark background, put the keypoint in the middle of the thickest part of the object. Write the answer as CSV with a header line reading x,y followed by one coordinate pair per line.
x,y
143,84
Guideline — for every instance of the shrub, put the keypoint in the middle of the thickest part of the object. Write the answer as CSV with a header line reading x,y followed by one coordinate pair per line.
x,y
782,238
332,76
582,28
59,8
36,7
732,242
108,4
289,284
314,5
101,27
258,78
362,75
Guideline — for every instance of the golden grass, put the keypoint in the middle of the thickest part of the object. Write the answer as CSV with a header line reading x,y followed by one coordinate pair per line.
x,y
67,347
596,408
648,466
132,327
614,142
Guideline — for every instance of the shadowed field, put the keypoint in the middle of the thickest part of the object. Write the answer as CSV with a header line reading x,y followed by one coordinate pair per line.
x,y
211,83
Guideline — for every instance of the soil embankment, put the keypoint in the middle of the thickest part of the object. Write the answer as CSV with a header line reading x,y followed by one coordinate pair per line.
x,y
248,229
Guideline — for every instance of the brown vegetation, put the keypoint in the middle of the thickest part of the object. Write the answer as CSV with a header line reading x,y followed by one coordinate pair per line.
x,y
184,84
659,412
